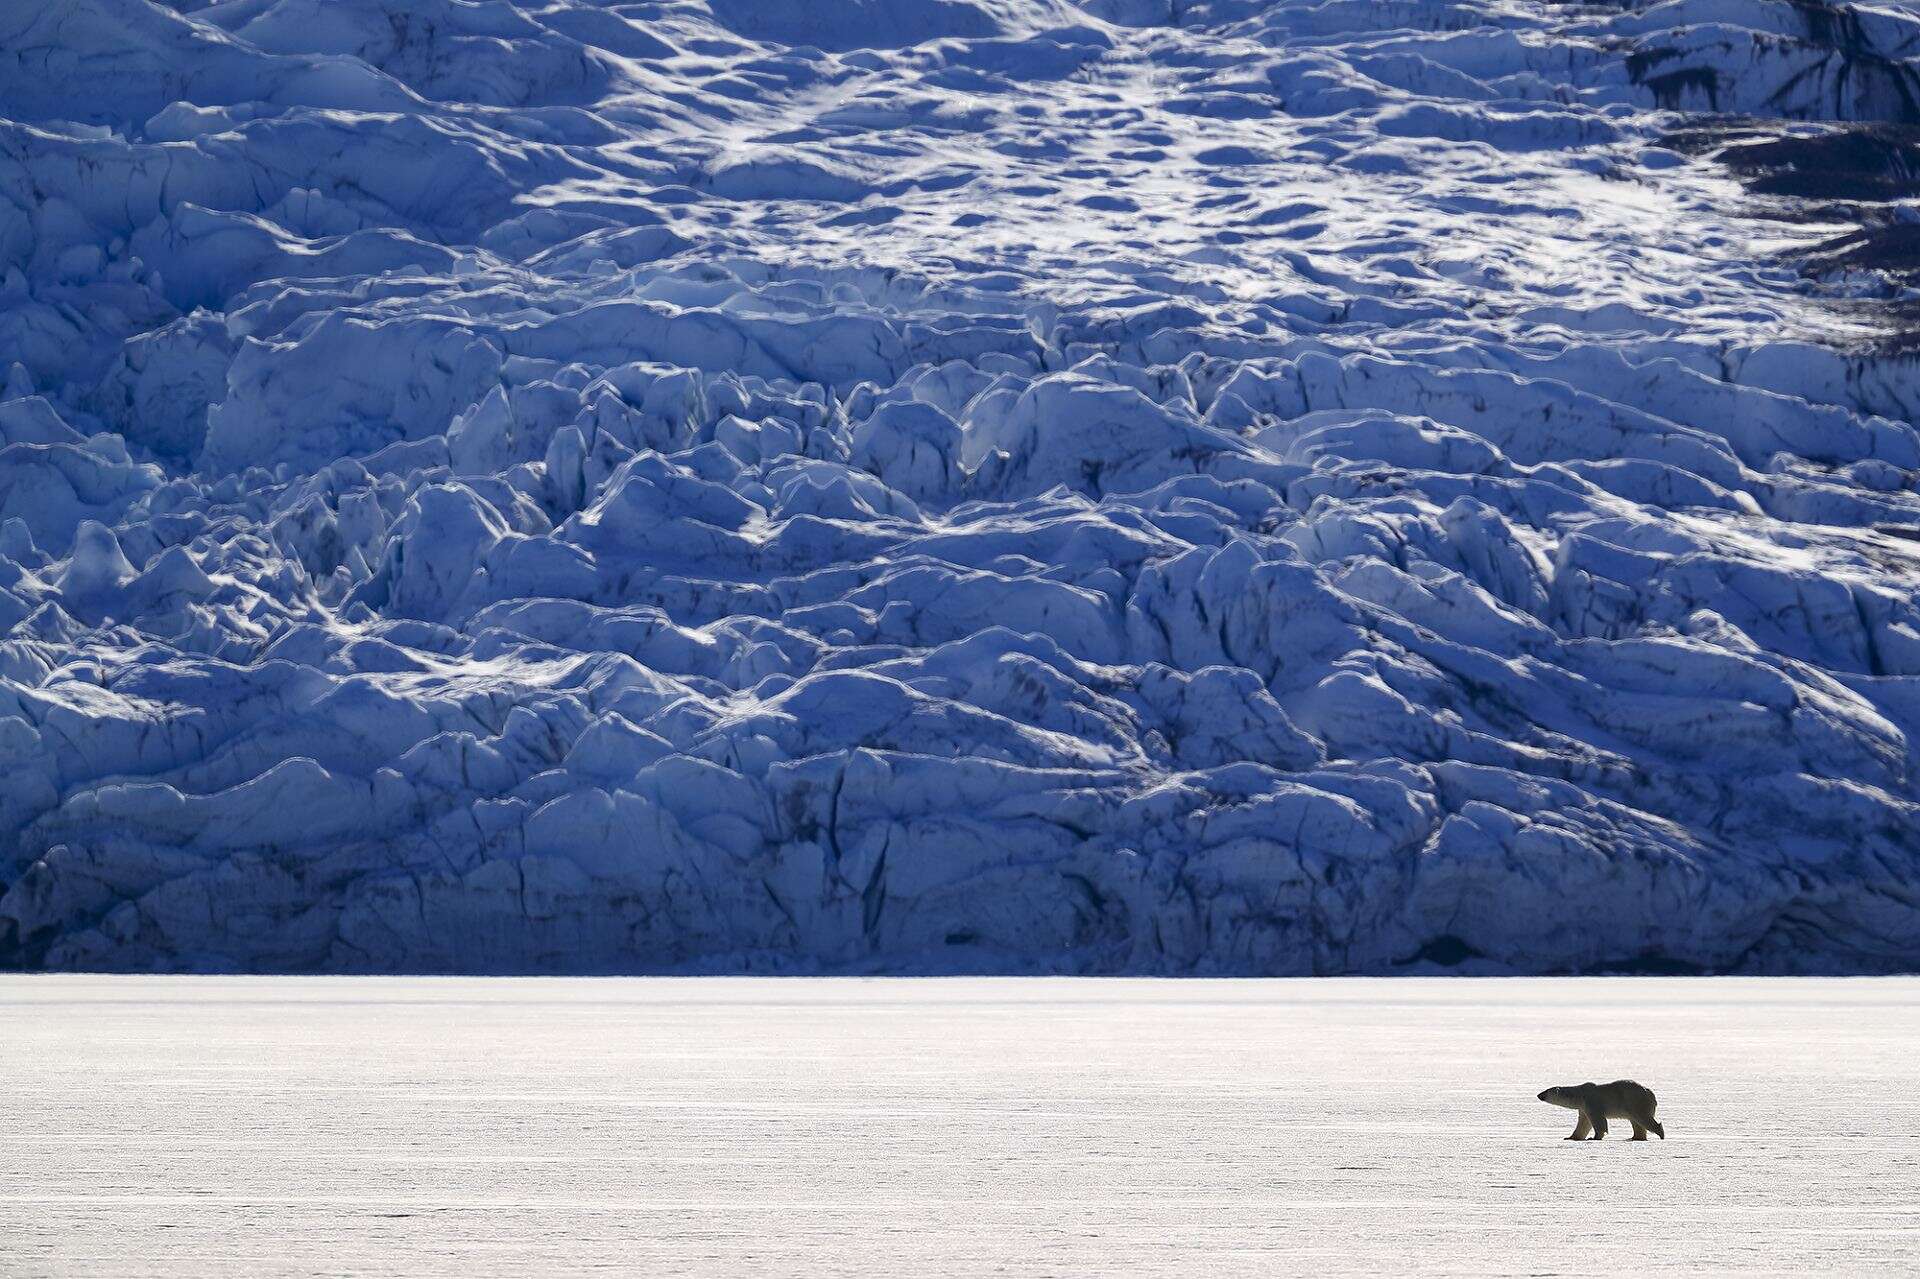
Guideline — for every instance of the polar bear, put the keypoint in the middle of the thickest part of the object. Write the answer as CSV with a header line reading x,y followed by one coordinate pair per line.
x,y
1597,1103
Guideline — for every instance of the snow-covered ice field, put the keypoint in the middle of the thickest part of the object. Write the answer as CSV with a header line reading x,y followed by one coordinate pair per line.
x,y
267,1126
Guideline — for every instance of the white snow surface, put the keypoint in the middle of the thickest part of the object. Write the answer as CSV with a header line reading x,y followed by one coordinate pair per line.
x,y
938,485
266,1126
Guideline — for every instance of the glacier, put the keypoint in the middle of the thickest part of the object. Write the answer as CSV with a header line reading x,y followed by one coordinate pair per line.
x,y
1082,486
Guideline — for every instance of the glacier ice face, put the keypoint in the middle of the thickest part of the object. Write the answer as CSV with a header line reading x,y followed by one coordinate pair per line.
x,y
936,485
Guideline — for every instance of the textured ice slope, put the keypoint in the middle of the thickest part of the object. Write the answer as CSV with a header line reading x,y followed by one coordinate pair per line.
x,y
938,484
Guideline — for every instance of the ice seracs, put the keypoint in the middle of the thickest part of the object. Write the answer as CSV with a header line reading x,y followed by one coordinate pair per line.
x,y
999,485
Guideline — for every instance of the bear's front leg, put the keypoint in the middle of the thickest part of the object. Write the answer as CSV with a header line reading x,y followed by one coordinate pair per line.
x,y
1580,1130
